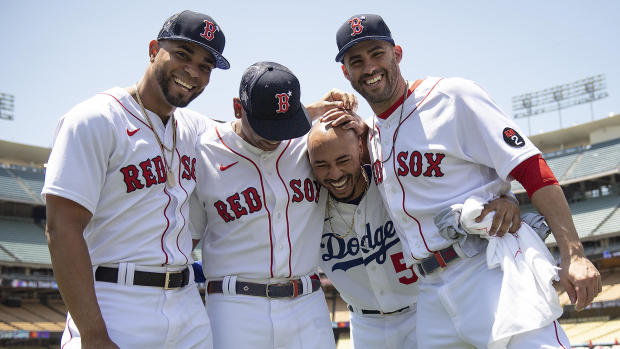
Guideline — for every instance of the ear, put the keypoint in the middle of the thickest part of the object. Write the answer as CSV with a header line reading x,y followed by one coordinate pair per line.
x,y
361,149
345,72
398,53
237,107
153,49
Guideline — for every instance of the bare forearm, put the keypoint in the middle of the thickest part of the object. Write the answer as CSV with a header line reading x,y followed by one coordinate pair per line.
x,y
551,203
74,276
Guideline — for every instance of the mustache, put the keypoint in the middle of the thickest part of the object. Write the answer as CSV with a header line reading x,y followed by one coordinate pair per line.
x,y
372,73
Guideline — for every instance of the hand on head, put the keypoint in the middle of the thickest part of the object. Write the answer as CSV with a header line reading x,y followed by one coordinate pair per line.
x,y
333,99
347,119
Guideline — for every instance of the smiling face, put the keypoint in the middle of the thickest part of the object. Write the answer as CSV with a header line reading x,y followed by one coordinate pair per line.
x,y
372,68
335,157
182,70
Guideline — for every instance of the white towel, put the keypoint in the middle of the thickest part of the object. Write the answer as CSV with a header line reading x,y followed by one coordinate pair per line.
x,y
527,299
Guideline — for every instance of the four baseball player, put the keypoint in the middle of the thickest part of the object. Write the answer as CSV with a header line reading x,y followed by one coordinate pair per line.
x,y
133,177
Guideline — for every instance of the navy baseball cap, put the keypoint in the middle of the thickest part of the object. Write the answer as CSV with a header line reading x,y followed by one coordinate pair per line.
x,y
270,95
197,28
359,28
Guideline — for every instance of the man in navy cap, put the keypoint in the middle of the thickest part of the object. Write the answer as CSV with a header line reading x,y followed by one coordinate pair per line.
x,y
435,143
264,210
117,185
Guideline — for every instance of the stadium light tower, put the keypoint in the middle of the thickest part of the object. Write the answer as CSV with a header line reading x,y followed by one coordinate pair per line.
x,y
6,106
560,97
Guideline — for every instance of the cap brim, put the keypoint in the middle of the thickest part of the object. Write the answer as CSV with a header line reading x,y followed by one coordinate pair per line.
x,y
220,61
344,48
282,129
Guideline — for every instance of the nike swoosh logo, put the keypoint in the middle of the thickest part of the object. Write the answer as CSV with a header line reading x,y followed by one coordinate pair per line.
x,y
224,168
131,133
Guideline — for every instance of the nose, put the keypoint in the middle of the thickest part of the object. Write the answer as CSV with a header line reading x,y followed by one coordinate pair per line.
x,y
334,173
192,70
370,67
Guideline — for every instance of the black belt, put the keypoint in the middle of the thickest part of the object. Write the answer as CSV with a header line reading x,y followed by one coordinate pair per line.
x,y
287,289
378,312
167,280
438,260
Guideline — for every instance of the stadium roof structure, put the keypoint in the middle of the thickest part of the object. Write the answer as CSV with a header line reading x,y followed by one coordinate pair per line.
x,y
22,154
592,132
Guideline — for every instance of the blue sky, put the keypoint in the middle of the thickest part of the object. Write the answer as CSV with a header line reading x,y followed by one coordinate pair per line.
x,y
58,53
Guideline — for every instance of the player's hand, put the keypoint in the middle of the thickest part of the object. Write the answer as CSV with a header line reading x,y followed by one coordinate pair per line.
x,y
581,280
333,99
507,216
346,119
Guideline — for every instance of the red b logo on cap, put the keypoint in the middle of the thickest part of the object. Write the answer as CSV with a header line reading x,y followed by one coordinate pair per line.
x,y
283,104
209,32
356,26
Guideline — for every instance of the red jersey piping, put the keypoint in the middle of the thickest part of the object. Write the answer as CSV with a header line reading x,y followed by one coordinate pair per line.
x,y
288,235
391,109
394,165
260,176
181,206
165,191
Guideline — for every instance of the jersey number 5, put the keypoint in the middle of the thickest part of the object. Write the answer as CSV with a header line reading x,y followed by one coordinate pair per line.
x,y
399,265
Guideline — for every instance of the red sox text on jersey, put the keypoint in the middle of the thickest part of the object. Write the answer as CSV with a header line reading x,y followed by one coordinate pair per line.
x,y
152,171
249,200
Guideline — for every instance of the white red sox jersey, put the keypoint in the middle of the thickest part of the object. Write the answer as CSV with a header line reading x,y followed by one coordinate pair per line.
x,y
452,142
367,266
264,209
106,158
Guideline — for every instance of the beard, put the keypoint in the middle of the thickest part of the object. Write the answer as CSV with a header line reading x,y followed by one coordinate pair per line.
x,y
391,75
164,80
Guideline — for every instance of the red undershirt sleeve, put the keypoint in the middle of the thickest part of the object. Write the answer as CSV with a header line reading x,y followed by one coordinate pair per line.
x,y
533,174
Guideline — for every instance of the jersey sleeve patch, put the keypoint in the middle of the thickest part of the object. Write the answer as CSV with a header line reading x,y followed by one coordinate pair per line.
x,y
513,138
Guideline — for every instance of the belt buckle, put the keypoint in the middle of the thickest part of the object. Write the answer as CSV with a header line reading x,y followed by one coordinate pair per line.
x,y
290,282
167,280
267,290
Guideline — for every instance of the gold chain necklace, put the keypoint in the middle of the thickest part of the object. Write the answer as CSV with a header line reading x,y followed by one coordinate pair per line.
x,y
329,213
169,175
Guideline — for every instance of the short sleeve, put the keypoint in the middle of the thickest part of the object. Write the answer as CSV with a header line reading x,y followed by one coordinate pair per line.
x,y
486,133
197,217
77,166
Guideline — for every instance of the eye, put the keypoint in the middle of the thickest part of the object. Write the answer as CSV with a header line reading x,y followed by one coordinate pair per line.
x,y
206,68
343,161
182,55
377,54
355,62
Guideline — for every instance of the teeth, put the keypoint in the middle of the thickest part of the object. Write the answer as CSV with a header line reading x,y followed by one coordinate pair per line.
x,y
373,80
187,86
339,184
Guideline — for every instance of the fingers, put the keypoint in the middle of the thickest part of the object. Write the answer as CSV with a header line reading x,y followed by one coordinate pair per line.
x,y
348,100
335,114
516,224
506,218
568,287
582,298
584,282
498,219
485,211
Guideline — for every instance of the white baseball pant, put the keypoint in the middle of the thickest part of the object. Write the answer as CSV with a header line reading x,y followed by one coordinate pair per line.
x,y
456,308
149,317
394,331
240,321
